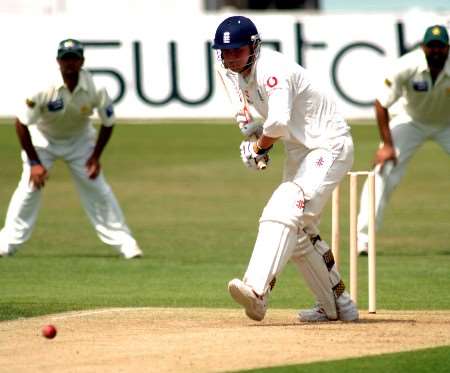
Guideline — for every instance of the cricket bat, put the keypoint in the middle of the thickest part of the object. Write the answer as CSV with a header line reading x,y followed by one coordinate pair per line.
x,y
240,105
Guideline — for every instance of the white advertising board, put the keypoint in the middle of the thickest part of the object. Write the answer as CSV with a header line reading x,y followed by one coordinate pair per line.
x,y
163,67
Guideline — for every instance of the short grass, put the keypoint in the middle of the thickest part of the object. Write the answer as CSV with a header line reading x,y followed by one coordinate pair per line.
x,y
433,360
194,209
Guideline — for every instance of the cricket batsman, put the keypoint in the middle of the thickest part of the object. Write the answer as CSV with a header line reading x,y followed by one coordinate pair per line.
x,y
319,153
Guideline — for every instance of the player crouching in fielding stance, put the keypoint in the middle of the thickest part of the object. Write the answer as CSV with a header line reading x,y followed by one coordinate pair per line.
x,y
418,84
319,152
55,123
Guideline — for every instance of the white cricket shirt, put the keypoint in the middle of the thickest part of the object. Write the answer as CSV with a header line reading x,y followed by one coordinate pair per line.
x,y
421,100
292,105
60,114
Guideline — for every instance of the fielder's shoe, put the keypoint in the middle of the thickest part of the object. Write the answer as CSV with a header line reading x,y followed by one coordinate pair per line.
x,y
347,310
4,250
363,248
255,306
132,252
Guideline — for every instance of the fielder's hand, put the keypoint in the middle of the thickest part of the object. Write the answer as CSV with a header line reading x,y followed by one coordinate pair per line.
x,y
38,175
384,155
253,159
93,167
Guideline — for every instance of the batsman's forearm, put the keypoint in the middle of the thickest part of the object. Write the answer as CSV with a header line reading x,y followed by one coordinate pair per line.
x,y
382,115
103,138
265,142
25,141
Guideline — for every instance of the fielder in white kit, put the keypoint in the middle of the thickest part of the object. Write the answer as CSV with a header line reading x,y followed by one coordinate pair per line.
x,y
419,83
55,124
319,153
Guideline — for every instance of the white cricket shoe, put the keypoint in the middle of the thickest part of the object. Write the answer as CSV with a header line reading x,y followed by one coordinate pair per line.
x,y
255,306
346,308
362,247
132,252
5,249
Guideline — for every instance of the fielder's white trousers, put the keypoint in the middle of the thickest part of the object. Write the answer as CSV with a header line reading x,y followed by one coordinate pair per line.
x,y
96,196
407,137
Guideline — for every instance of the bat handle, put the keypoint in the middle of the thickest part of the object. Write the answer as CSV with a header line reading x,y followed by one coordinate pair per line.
x,y
262,164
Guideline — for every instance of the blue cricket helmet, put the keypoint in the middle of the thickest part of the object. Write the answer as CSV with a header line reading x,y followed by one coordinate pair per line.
x,y
235,32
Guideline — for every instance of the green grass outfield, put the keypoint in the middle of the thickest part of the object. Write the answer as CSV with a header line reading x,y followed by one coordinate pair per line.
x,y
194,208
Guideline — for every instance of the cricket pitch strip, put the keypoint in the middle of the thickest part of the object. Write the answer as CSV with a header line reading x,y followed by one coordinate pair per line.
x,y
206,340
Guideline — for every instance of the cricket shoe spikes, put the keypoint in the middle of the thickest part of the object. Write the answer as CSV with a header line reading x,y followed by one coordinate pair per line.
x,y
255,305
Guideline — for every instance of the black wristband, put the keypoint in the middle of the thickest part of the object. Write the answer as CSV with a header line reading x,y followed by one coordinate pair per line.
x,y
257,149
34,162
260,150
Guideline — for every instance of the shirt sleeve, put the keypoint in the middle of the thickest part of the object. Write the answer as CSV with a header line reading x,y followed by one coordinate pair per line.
x,y
391,90
105,108
279,107
29,109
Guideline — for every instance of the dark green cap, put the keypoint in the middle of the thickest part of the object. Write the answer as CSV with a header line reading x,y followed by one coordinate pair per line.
x,y
436,33
70,46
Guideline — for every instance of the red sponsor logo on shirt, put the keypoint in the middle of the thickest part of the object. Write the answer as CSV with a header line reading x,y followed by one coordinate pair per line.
x,y
300,204
272,82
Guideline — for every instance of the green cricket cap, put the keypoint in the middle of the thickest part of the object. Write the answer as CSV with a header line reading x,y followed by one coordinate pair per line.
x,y
436,33
70,46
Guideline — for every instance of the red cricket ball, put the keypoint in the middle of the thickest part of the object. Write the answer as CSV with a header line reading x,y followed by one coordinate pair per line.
x,y
49,331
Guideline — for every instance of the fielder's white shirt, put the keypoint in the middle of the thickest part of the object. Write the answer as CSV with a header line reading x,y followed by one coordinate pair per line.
x,y
60,114
420,100
293,107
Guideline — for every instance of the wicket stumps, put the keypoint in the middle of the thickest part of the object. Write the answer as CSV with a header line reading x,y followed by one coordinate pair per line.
x,y
335,234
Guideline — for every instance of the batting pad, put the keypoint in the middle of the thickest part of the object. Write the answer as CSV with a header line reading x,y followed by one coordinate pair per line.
x,y
324,250
273,248
315,272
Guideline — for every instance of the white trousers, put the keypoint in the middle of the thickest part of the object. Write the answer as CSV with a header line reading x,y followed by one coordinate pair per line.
x,y
315,173
96,196
318,172
407,138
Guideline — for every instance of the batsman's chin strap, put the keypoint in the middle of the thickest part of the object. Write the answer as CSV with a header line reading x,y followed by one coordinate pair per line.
x,y
251,60
253,55
247,66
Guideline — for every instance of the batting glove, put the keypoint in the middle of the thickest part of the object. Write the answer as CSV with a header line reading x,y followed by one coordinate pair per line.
x,y
251,129
255,160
